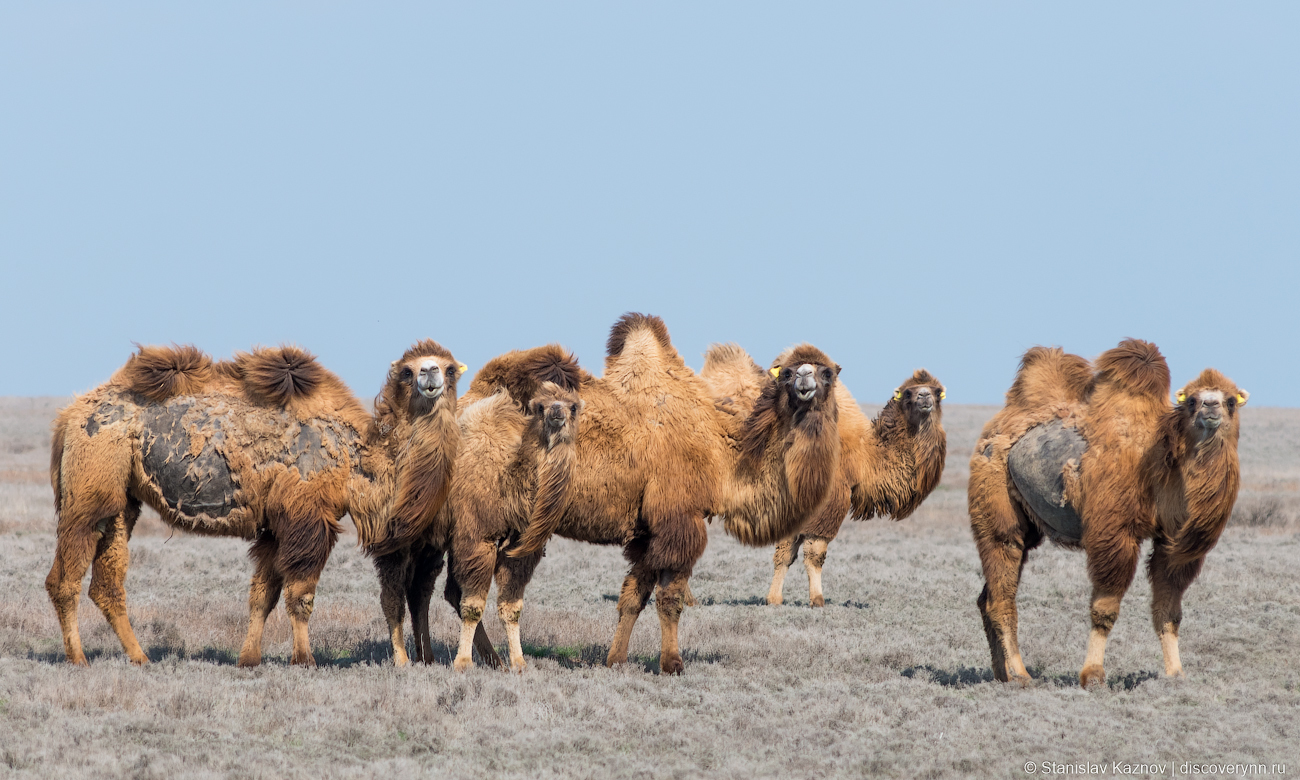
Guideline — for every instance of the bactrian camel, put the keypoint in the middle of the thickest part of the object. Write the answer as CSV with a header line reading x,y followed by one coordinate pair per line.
x,y
1096,457
269,447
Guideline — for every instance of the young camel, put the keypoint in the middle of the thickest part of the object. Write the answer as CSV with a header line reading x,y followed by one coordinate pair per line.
x,y
650,461
270,447
1101,461
888,465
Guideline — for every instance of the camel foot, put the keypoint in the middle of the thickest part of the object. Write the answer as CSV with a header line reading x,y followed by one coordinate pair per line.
x,y
461,664
817,601
774,599
1093,674
142,660
78,660
1022,680
306,659
248,659
518,666
1176,674
671,663
400,660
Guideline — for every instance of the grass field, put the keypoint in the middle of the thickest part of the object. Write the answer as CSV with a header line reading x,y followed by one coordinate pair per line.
x,y
892,677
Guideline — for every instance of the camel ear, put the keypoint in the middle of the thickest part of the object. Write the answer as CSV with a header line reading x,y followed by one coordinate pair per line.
x,y
1182,396
837,369
463,368
1242,397
943,394
898,394
775,372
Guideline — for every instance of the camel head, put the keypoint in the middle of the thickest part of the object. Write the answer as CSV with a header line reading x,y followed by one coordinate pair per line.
x,y
554,412
1207,408
423,380
920,399
805,379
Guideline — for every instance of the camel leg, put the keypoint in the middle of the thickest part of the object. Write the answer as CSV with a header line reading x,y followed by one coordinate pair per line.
x,y
1111,575
1003,560
638,584
786,551
425,568
669,601
814,558
394,570
108,580
73,553
1168,583
452,593
474,574
512,576
263,593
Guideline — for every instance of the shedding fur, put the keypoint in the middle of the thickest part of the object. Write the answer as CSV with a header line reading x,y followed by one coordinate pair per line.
x,y
1149,471
270,447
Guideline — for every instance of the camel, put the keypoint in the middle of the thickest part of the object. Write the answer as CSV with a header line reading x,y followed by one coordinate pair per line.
x,y
270,447
1095,457
887,465
648,458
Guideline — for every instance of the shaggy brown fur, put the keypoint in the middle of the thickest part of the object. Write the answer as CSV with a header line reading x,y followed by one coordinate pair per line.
x,y
270,447
1147,471
652,459
887,465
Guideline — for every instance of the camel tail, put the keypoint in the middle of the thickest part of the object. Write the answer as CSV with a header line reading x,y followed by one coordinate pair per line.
x,y
279,375
1135,365
57,439
553,479
159,373
1049,376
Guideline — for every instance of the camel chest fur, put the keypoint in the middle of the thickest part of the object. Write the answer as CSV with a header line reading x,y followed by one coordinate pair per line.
x,y
1036,464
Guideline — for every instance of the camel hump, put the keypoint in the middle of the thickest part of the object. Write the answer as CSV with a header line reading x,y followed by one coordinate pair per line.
x,y
159,373
280,375
801,354
1047,376
631,324
720,356
1136,366
522,372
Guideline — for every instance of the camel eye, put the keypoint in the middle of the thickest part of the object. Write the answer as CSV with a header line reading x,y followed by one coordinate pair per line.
x,y
573,409
407,373
826,374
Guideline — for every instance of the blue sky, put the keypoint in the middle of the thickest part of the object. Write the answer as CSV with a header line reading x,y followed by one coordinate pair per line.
x,y
904,185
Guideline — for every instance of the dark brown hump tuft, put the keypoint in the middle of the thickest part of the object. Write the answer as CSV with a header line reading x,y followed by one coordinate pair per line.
x,y
552,363
159,373
632,322
522,372
1137,366
279,375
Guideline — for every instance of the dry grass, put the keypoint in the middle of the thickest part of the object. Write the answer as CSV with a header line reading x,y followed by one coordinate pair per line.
x,y
892,677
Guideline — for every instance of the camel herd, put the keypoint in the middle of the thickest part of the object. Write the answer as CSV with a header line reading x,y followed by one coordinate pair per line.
x,y
271,447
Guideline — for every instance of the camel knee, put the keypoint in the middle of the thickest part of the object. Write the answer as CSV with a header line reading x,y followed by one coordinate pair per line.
x,y
1103,617
814,558
471,608
509,611
300,605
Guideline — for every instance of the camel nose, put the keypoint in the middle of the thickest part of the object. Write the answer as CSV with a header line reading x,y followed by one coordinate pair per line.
x,y
805,380
555,414
925,398
430,380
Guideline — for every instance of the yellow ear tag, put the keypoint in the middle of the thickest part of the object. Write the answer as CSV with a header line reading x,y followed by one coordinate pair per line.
x,y
943,394
898,395
463,368
1241,399
776,371
1181,396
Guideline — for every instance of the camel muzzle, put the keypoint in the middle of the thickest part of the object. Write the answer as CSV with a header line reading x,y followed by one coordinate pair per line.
x,y
429,381
805,382
925,400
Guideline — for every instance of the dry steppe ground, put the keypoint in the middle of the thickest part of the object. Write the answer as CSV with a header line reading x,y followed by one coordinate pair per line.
x,y
891,678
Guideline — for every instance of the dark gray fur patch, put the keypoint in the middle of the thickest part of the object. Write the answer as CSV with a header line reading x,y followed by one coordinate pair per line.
x,y
106,414
308,450
190,485
1036,463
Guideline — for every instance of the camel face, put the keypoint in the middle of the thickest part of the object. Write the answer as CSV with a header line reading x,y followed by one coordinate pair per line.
x,y
1209,406
921,398
806,378
556,411
422,381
